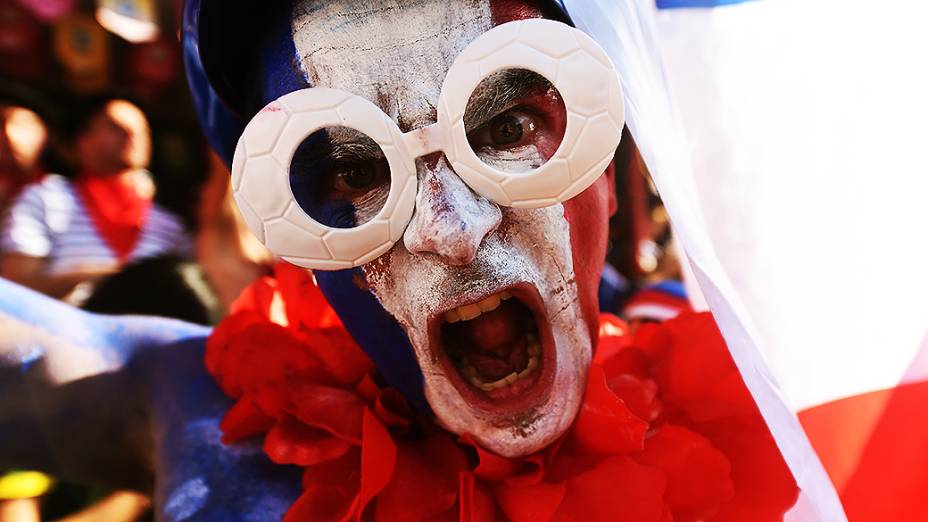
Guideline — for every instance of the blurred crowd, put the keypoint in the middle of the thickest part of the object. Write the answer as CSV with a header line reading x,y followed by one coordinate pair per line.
x,y
80,221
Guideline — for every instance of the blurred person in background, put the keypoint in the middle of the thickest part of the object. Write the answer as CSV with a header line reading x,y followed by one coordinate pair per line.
x,y
228,258
60,236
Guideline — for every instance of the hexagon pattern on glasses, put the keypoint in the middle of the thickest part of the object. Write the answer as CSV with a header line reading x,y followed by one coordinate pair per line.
x,y
575,65
264,196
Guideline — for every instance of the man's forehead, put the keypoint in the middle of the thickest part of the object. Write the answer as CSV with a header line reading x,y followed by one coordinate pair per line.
x,y
395,54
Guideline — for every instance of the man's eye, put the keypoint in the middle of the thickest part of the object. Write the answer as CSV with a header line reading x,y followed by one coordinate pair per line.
x,y
506,129
356,178
511,129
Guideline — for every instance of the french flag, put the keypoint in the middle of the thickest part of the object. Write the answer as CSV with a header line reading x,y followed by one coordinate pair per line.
x,y
807,127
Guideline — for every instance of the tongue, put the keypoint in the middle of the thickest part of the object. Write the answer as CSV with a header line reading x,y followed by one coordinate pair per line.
x,y
496,365
490,368
494,330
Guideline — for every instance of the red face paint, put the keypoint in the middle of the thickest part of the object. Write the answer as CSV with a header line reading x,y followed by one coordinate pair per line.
x,y
508,10
589,229
589,211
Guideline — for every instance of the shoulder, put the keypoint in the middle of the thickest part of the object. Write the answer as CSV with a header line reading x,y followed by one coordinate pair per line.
x,y
41,208
51,183
48,187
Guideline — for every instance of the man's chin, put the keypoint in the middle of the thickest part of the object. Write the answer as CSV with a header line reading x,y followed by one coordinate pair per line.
x,y
507,427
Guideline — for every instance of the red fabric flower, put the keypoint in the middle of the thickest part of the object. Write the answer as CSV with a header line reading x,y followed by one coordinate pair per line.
x,y
605,424
666,432
704,392
698,475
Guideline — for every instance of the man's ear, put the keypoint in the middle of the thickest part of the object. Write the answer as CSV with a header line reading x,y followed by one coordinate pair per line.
x,y
610,181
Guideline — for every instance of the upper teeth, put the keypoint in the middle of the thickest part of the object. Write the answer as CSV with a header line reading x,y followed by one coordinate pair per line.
x,y
473,310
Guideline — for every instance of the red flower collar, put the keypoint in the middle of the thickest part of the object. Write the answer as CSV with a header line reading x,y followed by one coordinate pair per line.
x,y
667,430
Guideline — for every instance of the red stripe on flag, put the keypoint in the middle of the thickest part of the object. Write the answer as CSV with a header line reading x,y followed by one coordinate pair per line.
x,y
875,448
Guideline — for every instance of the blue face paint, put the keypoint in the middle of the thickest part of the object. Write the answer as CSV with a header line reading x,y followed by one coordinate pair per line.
x,y
376,331
309,182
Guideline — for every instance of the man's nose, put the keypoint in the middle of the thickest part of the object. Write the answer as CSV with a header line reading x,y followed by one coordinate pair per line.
x,y
450,220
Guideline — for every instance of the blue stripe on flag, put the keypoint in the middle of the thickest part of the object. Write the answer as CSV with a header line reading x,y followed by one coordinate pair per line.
x,y
673,4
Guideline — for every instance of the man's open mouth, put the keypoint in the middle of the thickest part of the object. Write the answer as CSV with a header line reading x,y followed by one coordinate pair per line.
x,y
498,351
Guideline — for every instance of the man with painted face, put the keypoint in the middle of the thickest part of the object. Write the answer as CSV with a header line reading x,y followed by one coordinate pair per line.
x,y
497,304
482,313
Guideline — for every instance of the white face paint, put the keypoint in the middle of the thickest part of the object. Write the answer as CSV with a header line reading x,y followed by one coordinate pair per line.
x,y
459,248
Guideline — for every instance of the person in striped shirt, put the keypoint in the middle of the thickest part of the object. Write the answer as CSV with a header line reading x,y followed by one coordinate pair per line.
x,y
61,235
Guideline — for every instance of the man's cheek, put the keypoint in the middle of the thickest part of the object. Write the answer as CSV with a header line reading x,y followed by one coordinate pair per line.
x,y
588,219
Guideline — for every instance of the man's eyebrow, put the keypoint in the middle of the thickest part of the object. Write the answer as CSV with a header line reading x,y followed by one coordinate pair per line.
x,y
353,146
497,92
338,145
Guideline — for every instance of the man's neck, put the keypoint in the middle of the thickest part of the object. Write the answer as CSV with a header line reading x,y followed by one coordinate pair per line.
x,y
123,175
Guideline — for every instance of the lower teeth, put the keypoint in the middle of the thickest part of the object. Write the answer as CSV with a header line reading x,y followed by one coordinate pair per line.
x,y
534,352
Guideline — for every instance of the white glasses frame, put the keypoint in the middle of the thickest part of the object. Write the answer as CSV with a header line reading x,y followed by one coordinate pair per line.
x,y
577,67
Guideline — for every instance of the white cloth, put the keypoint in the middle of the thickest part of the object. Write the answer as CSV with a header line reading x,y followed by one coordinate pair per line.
x,y
49,220
805,124
806,127
625,30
